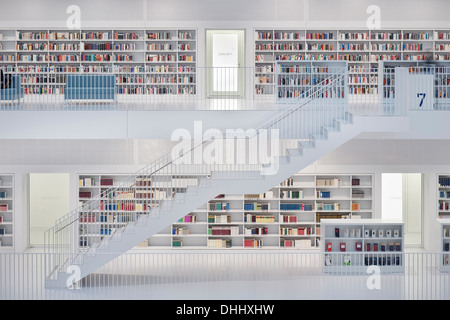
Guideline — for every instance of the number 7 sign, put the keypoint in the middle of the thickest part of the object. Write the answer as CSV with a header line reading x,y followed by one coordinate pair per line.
x,y
423,95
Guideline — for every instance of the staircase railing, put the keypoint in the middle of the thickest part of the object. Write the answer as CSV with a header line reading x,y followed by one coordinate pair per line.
x,y
155,187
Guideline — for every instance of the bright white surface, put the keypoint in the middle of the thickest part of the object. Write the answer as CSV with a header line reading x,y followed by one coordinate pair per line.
x,y
49,201
392,196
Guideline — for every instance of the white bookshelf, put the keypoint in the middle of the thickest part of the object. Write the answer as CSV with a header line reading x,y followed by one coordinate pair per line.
x,y
145,61
362,49
445,245
354,245
443,194
286,217
7,209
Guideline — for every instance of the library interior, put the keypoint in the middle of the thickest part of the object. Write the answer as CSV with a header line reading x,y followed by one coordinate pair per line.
x,y
224,149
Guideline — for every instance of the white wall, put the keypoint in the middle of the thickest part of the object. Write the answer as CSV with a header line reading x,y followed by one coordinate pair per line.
x,y
49,201
301,13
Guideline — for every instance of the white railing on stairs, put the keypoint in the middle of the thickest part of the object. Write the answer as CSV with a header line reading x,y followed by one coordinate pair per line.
x,y
150,191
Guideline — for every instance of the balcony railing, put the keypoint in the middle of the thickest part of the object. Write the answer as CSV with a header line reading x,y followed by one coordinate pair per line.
x,y
275,275
201,88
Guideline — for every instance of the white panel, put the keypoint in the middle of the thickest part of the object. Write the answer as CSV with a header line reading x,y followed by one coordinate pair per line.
x,y
231,10
49,201
50,10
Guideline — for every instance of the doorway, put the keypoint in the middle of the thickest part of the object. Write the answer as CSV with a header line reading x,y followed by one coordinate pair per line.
x,y
49,200
225,54
402,198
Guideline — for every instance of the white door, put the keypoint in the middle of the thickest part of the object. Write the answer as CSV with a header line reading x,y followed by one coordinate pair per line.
x,y
224,63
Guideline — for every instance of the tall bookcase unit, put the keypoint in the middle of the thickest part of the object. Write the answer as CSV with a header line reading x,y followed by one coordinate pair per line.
x,y
353,246
121,205
286,217
6,211
363,49
152,62
443,193
295,79
445,245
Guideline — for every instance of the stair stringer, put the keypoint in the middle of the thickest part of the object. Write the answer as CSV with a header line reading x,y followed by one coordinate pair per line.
x,y
219,184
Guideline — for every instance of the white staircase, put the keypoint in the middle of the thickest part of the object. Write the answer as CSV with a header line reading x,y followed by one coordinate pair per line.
x,y
313,129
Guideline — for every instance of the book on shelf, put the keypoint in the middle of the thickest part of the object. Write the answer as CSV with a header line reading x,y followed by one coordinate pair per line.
x,y
323,194
292,194
288,218
335,182
177,243
357,193
188,219
328,206
219,219
180,231
249,218
82,194
299,231
3,207
256,231
223,230
253,243
3,195
256,206
288,182
106,182
296,207
356,206
219,206
87,218
86,182
219,243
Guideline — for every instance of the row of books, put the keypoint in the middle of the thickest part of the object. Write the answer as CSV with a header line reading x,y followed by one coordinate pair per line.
x,y
363,90
368,261
188,219
219,243
223,231
256,206
219,219
253,243
356,193
363,79
256,231
292,194
299,231
296,207
219,206
322,194
123,206
444,194
444,181
249,218
328,206
334,182
299,244
180,231
370,247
